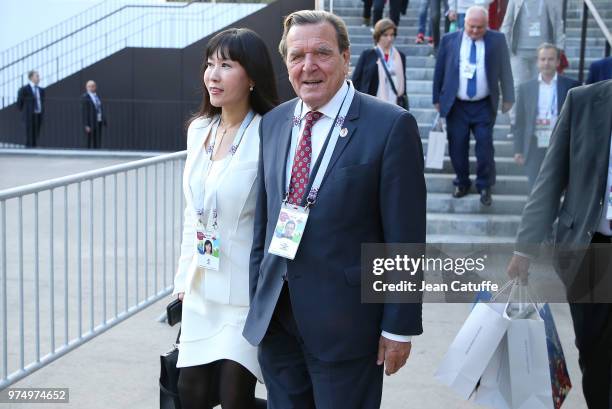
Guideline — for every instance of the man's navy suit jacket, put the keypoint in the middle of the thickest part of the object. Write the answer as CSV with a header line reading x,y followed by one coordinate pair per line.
x,y
600,70
373,192
497,67
26,101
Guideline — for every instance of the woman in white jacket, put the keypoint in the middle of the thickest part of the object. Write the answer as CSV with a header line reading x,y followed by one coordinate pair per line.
x,y
217,363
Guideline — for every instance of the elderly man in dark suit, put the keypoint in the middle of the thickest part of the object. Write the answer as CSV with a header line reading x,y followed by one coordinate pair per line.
x,y
472,64
538,104
600,70
358,169
578,166
31,103
94,117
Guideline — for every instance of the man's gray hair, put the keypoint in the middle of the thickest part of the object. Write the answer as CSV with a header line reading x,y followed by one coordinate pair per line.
x,y
549,46
478,9
31,73
304,17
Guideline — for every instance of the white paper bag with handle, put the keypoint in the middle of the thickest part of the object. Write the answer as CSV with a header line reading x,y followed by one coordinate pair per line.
x,y
530,382
494,388
472,349
518,375
436,144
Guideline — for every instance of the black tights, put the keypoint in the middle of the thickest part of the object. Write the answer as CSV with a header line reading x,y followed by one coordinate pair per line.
x,y
222,382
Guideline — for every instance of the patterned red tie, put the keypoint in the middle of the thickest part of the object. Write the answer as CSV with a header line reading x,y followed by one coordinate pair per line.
x,y
300,172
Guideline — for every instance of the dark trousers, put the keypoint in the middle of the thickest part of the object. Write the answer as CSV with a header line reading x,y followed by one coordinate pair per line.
x,y
296,379
533,163
33,124
435,14
94,138
593,328
395,7
477,117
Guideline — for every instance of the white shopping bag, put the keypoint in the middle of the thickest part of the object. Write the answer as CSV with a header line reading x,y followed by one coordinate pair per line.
x,y
472,349
494,387
436,145
518,375
530,381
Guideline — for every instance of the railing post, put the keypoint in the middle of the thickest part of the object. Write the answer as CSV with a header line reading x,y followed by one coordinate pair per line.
x,y
583,34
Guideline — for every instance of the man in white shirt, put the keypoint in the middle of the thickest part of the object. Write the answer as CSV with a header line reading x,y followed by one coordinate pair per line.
x,y
31,102
93,115
578,166
538,104
526,25
472,66
319,345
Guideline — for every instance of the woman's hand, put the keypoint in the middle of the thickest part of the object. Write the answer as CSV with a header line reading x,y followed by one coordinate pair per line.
x,y
180,296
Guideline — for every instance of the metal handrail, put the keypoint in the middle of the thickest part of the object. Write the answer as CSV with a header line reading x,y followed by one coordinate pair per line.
x,y
80,29
48,32
112,272
588,6
85,176
70,55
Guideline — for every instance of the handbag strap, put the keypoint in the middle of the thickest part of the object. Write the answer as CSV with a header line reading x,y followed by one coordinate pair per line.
x,y
384,64
178,336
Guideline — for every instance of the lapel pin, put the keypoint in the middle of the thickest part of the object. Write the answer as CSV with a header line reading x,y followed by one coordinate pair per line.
x,y
343,132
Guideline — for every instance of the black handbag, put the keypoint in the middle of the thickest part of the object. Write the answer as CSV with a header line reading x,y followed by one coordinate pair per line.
x,y
174,311
168,378
401,100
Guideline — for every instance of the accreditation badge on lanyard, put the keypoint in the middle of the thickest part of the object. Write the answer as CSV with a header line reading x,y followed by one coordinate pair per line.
x,y
292,219
207,235
544,126
543,131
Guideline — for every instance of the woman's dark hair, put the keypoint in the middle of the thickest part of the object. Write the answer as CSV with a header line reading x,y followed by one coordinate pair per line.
x,y
249,50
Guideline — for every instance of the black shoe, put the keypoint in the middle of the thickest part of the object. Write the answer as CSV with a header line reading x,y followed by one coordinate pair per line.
x,y
460,191
485,197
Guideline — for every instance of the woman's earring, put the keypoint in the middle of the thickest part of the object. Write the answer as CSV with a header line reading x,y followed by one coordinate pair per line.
x,y
251,88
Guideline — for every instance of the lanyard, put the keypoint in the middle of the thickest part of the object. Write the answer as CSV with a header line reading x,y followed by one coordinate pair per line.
x,y
552,110
332,139
211,151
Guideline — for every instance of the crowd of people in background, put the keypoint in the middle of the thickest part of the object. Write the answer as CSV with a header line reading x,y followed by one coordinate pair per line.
x,y
253,165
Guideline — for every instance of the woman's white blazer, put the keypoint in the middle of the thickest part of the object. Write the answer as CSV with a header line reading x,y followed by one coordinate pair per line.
x,y
236,198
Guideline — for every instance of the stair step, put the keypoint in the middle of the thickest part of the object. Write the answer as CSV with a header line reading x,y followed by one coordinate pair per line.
x,y
470,204
503,148
506,184
427,116
473,224
500,134
464,238
503,166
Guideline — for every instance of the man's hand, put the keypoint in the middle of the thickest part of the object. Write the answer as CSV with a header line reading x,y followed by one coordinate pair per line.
x,y
452,15
506,106
393,354
518,267
87,129
437,106
519,158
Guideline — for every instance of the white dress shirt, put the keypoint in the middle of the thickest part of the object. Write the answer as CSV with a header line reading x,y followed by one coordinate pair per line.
x,y
319,133
97,104
547,99
482,86
604,222
36,92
